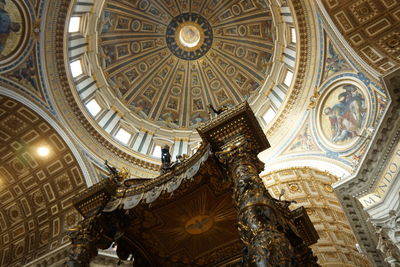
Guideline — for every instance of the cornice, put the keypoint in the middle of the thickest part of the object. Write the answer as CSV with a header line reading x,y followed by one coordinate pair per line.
x,y
362,229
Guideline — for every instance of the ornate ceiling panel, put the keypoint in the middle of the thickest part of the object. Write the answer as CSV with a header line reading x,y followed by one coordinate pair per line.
x,y
167,60
35,192
371,27
192,223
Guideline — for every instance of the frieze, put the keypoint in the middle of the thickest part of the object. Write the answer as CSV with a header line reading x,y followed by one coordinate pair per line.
x,y
384,181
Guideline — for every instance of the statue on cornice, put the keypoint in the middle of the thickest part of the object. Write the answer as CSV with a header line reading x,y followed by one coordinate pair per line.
x,y
387,246
165,160
117,175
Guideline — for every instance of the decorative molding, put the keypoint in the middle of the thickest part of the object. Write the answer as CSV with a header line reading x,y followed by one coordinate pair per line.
x,y
350,190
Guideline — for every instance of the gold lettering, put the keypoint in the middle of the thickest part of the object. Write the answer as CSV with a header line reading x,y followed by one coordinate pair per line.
x,y
395,167
389,180
368,201
383,187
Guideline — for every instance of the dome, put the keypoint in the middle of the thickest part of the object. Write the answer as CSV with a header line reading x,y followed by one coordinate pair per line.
x,y
169,72
158,65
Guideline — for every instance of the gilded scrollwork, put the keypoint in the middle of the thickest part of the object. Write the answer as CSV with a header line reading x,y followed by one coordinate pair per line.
x,y
272,234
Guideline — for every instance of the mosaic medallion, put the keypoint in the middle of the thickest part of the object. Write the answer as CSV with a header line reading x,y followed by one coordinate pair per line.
x,y
189,36
343,115
14,28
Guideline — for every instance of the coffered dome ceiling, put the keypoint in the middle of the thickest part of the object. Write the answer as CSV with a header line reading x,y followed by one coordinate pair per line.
x,y
141,74
167,60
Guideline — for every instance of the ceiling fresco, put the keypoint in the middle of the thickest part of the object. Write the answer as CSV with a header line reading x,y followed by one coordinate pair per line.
x,y
12,28
304,141
345,111
152,68
334,62
35,191
168,60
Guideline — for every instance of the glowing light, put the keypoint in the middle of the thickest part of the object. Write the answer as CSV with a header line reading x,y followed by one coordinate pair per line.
x,y
288,78
293,35
157,151
123,136
93,107
43,151
74,24
76,68
189,36
269,115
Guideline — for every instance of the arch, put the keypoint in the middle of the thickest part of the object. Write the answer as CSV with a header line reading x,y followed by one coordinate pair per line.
x,y
57,127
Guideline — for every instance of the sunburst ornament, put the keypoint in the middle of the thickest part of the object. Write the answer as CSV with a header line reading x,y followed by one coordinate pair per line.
x,y
199,224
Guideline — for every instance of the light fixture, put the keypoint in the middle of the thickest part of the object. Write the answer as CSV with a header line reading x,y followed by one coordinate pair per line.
x,y
43,151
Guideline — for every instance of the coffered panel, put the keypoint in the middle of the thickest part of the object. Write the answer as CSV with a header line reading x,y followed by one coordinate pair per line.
x,y
36,189
372,28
